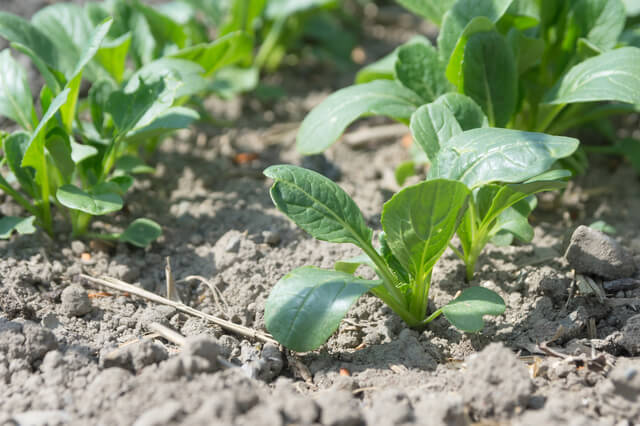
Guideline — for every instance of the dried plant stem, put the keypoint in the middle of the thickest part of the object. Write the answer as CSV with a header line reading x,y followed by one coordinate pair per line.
x,y
226,325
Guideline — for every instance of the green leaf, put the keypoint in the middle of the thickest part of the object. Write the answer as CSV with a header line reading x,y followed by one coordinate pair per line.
x,y
163,27
306,306
404,171
326,122
241,16
68,28
59,149
14,148
141,232
231,81
384,68
528,51
95,203
187,73
34,154
17,30
112,56
602,226
467,310
611,76
432,125
514,222
489,76
128,109
21,225
350,265
481,156
433,10
80,152
16,100
521,15
468,114
420,220
172,119
419,68
224,51
123,182
50,80
318,205
130,164
599,21
462,12
278,8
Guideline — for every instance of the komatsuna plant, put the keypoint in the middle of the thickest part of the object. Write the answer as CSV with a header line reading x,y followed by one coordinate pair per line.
x,y
306,306
543,66
82,167
502,168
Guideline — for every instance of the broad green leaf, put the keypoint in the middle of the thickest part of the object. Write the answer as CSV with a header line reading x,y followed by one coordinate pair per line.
x,y
527,51
94,203
513,222
468,114
112,56
17,30
34,155
632,7
521,15
50,80
68,110
15,94
611,76
454,72
481,156
224,51
59,149
466,311
187,73
80,152
141,232
384,68
130,164
128,109
306,306
420,220
318,205
98,97
68,28
350,265
163,27
14,148
172,119
419,68
123,183
21,225
231,81
143,43
433,10
602,226
392,261
462,12
599,21
432,125
489,76
326,122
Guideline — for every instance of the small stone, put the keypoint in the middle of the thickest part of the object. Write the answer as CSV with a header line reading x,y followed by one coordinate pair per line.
x,y
160,415
75,301
203,346
270,237
134,357
631,335
596,253
38,341
268,366
159,314
50,321
78,247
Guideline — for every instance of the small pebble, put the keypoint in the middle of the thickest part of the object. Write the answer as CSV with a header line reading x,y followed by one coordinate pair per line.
x,y
75,301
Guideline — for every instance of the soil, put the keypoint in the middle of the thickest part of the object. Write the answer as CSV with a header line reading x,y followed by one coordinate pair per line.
x,y
71,353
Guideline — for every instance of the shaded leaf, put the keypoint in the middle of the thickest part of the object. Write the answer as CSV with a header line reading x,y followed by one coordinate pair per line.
x,y
18,30
467,310
419,67
141,232
21,225
95,203
433,10
14,148
224,51
15,94
306,306
326,122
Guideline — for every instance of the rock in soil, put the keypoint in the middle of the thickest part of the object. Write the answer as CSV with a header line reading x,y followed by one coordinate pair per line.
x,y
631,335
75,301
496,382
135,356
596,253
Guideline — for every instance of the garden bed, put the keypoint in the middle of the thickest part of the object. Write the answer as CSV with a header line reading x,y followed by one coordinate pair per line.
x,y
74,353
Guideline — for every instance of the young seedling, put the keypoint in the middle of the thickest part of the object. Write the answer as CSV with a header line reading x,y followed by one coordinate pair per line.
x,y
542,66
502,168
306,306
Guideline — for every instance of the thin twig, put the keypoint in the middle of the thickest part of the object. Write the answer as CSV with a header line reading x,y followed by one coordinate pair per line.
x,y
171,283
226,325
546,349
218,298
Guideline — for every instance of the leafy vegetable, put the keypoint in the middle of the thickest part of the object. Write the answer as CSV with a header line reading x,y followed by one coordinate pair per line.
x,y
306,306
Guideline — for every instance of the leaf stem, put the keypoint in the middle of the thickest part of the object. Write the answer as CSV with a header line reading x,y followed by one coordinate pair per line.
x,y
549,117
433,316
271,40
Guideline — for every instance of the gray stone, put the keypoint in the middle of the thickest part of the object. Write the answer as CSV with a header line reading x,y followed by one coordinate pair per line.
x,y
134,357
38,341
159,314
596,253
75,301
631,335
268,366
203,346
184,365
496,382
